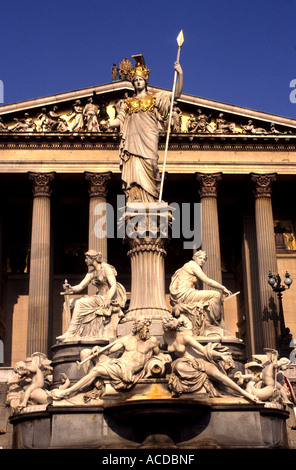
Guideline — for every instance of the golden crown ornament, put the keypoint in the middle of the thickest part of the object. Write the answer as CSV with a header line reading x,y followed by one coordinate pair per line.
x,y
140,70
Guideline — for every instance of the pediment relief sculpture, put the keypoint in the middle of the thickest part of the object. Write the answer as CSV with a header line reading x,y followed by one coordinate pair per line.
x,y
94,114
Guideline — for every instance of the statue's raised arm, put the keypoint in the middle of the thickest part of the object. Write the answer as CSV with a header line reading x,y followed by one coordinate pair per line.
x,y
179,83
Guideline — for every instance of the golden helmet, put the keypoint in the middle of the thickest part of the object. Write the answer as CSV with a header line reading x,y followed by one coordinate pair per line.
x,y
140,70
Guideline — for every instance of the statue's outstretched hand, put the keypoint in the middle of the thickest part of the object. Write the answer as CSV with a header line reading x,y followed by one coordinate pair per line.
x,y
226,291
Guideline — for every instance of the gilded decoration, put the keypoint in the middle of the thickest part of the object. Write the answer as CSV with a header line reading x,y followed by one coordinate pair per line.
x,y
135,105
285,235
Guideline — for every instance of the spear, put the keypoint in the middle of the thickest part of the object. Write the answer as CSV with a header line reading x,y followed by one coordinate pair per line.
x,y
105,348
180,40
67,304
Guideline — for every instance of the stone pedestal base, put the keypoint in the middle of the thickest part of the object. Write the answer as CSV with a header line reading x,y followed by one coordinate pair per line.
x,y
153,423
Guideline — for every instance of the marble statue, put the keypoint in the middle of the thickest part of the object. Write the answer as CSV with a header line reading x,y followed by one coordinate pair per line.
x,y
29,385
251,129
262,377
3,127
26,124
90,111
176,121
202,307
223,126
42,118
55,122
93,313
190,373
202,123
140,119
273,129
78,124
139,348
191,124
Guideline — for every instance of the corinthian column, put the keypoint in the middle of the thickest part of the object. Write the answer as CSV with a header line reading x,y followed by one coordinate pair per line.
x,y
97,236
266,255
210,225
39,282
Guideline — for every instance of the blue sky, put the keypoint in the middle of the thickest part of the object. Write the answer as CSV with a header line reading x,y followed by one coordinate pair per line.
x,y
237,52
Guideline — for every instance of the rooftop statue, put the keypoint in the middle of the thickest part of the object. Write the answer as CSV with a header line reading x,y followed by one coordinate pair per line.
x,y
26,124
262,377
90,111
140,119
76,113
92,313
202,307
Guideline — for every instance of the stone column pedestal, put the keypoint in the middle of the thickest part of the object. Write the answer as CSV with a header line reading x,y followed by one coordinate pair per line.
x,y
266,256
147,235
39,284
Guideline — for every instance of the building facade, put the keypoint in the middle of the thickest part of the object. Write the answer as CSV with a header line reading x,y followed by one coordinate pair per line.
x,y
59,170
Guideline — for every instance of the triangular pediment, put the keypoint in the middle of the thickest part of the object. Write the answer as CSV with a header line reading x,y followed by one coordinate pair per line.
x,y
192,116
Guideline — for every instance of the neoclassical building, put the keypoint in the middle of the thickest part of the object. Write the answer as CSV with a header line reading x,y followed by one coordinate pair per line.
x,y
58,161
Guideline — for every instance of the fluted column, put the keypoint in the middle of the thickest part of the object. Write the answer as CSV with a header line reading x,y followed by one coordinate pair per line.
x,y
39,283
210,224
254,335
147,234
97,237
266,255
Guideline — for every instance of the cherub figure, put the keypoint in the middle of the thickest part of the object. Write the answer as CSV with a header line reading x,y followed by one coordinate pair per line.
x,y
30,382
262,376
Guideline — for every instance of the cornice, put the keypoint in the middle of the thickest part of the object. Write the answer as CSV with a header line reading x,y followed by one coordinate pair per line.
x,y
182,141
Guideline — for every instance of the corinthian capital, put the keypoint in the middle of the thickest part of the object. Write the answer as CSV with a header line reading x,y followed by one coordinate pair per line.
x,y
41,183
208,184
98,183
263,184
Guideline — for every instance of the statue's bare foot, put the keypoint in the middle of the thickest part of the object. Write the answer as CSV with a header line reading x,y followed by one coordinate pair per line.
x,y
58,394
66,338
252,397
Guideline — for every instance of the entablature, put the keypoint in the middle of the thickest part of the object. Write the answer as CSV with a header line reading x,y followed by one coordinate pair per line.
x,y
178,141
